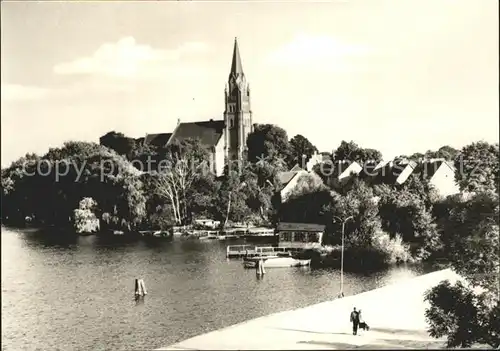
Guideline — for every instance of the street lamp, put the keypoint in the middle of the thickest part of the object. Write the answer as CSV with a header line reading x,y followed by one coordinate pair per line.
x,y
343,220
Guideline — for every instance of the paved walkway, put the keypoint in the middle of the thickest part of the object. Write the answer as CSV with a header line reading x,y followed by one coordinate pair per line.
x,y
395,314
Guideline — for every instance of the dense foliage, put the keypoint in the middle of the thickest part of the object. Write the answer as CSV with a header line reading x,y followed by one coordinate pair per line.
x,y
468,313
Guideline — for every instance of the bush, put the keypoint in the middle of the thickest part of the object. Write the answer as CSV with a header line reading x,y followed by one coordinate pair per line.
x,y
85,220
393,249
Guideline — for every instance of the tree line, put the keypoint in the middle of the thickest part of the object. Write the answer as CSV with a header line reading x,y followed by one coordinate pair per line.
x,y
407,222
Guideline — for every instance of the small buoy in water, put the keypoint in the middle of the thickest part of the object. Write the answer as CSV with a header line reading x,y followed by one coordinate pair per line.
x,y
140,287
259,267
143,287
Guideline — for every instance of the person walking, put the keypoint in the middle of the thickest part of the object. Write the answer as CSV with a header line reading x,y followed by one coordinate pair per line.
x,y
355,321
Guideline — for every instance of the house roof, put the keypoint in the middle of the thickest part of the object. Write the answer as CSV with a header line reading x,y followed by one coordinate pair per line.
x,y
340,167
160,139
208,132
427,169
390,171
296,168
286,177
399,166
304,227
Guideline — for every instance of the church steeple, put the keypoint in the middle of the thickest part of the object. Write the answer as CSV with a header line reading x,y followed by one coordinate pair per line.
x,y
236,67
237,114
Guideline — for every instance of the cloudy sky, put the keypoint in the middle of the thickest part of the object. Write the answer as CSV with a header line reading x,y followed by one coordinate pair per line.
x,y
400,76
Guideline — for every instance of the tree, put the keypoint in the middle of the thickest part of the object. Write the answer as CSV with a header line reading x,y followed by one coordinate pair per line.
x,y
445,152
308,202
185,168
405,212
146,157
350,151
261,187
229,202
268,142
477,167
118,142
462,313
301,150
85,218
49,188
312,206
307,183
359,202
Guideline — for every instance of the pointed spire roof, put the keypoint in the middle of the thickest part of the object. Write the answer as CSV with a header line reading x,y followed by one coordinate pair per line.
x,y
236,67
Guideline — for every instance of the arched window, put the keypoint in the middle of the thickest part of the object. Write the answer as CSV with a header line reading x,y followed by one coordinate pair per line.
x,y
231,123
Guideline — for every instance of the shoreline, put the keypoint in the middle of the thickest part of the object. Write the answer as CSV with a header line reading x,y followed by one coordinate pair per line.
x,y
395,313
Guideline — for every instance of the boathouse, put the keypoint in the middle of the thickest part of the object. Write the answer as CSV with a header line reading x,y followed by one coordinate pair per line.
x,y
300,235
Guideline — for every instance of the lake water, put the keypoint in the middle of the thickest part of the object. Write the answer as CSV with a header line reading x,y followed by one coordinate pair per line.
x,y
61,292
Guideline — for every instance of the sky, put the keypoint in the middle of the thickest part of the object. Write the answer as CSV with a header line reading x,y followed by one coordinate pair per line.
x,y
399,76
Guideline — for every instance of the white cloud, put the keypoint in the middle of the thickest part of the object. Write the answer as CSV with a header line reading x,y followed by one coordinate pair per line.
x,y
16,92
317,52
127,59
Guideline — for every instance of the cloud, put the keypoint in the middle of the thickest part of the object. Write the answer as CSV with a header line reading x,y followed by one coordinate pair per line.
x,y
17,92
317,52
128,59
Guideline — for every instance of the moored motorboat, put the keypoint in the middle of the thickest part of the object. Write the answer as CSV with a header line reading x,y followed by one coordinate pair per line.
x,y
276,262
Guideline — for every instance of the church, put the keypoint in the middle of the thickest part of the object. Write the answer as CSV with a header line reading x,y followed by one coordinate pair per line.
x,y
226,139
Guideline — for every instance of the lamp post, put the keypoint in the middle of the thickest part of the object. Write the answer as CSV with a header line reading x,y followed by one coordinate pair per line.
x,y
343,221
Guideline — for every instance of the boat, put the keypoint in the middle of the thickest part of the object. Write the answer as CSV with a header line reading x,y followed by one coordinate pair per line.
x,y
155,233
276,261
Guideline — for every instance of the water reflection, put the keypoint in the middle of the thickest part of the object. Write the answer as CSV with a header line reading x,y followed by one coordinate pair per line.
x,y
61,291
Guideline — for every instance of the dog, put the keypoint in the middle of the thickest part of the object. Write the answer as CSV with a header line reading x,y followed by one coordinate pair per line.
x,y
364,326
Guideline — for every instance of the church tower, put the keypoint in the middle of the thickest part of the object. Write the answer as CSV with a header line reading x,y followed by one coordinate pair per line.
x,y
237,114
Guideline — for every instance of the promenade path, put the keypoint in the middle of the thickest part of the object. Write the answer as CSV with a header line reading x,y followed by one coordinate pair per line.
x,y
395,313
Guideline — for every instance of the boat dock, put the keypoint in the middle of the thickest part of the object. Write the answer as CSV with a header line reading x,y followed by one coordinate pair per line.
x,y
395,313
240,251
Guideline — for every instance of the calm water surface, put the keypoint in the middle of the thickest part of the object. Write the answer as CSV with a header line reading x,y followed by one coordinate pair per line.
x,y
62,292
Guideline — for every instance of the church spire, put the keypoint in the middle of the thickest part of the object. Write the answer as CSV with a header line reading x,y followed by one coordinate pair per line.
x,y
236,67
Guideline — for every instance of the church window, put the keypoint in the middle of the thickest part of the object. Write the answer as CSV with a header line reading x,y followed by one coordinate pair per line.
x,y
231,123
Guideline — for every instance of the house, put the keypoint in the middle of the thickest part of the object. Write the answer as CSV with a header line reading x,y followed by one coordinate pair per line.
x,y
224,139
440,174
394,172
290,180
346,169
300,235
339,172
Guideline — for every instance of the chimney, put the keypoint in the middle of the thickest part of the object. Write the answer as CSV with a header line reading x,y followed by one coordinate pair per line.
x,y
178,121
